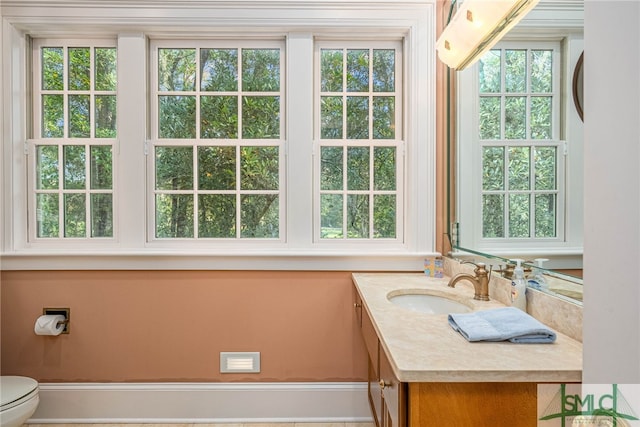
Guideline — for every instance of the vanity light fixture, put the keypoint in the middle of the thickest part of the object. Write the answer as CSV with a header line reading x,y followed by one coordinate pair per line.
x,y
476,27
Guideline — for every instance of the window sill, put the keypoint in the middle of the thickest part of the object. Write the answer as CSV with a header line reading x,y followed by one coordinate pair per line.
x,y
163,260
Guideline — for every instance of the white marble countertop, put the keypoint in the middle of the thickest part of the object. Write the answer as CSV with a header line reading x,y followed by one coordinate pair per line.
x,y
424,347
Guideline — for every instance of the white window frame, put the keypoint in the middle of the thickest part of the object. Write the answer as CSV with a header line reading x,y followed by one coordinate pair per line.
x,y
31,145
398,142
565,250
156,141
303,22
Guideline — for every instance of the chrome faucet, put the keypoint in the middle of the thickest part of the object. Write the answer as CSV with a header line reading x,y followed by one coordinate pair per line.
x,y
480,281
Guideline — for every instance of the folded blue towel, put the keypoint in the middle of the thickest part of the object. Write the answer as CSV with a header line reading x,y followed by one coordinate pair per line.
x,y
501,324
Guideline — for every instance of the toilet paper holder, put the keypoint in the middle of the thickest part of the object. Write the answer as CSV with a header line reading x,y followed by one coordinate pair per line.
x,y
66,312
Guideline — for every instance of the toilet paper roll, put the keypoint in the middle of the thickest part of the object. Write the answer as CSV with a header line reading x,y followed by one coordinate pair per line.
x,y
49,324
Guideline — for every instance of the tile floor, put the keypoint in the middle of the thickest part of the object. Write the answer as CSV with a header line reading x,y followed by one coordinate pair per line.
x,y
210,425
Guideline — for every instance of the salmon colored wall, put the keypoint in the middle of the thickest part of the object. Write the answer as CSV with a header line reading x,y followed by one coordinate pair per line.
x,y
170,326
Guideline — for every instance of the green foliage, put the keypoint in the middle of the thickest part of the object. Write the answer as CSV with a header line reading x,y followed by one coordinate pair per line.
x,y
261,70
384,221
345,201
384,168
358,70
222,117
331,74
83,181
527,73
219,70
358,169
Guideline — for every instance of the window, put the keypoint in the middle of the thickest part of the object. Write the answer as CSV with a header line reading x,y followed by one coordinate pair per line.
x,y
360,134
75,127
515,152
518,135
206,139
217,140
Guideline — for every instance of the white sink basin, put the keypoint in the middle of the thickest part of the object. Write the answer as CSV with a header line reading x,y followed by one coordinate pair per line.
x,y
429,304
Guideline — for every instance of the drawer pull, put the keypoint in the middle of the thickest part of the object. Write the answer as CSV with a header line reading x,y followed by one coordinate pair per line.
x,y
357,305
383,385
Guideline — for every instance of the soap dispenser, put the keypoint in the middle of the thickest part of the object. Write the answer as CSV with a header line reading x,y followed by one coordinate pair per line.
x,y
538,281
519,287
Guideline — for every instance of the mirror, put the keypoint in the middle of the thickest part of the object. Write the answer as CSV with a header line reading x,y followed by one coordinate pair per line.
x,y
515,179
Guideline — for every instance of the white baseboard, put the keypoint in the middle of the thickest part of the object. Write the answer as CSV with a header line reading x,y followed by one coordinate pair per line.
x,y
179,403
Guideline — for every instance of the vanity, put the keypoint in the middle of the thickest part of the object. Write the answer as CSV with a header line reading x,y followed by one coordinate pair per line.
x,y
423,373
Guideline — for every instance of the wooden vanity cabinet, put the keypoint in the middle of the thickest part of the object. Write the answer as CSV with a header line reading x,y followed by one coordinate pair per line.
x,y
387,395
397,404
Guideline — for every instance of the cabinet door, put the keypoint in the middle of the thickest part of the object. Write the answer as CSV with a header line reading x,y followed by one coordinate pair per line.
x,y
375,396
394,394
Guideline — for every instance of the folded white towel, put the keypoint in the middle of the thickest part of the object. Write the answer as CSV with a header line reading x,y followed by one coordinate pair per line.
x,y
501,324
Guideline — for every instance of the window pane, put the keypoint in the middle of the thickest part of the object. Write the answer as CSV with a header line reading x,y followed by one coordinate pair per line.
x,y
519,168
545,167
358,216
358,70
515,117
515,75
79,116
106,77
259,217
259,168
331,216
384,115
177,117
331,117
217,168
74,167
261,117
105,116
493,168
489,74
541,117
176,69
52,116
174,215
75,224
357,117
261,70
490,113
174,168
101,167
541,71
219,70
545,215
52,68
331,168
331,70
217,215
79,68
358,168
47,167
519,219
101,215
47,215
219,117
384,216
384,66
492,215
384,168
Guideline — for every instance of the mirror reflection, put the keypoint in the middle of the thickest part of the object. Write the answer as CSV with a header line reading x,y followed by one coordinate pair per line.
x,y
516,178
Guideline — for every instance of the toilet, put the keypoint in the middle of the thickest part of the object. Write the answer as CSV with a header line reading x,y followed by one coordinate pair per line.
x,y
19,398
